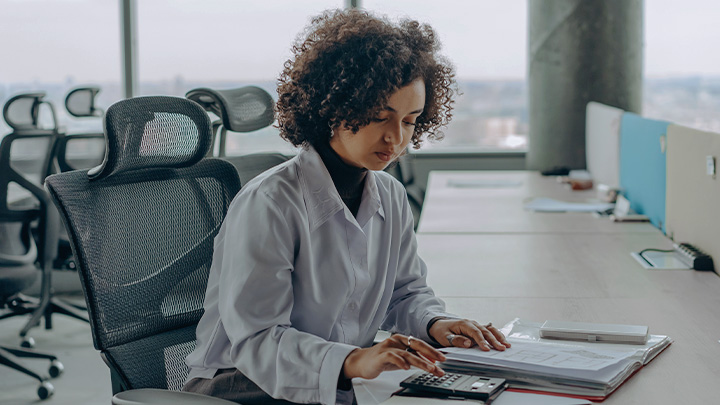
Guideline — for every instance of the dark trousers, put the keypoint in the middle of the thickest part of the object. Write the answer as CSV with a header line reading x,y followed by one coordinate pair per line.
x,y
232,385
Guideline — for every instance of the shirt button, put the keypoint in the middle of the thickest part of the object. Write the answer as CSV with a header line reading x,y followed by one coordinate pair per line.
x,y
352,306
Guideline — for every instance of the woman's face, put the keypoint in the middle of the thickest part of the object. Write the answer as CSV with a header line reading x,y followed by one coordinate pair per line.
x,y
384,139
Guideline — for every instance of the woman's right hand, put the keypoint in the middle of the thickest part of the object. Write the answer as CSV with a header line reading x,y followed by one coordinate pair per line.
x,y
394,353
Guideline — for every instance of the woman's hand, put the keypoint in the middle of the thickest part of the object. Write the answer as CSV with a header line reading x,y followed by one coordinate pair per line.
x,y
394,353
467,333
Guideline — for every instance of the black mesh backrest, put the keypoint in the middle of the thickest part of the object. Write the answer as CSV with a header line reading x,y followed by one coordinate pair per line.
x,y
143,132
142,231
244,109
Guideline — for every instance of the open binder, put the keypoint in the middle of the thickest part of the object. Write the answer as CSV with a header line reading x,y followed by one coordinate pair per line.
x,y
580,369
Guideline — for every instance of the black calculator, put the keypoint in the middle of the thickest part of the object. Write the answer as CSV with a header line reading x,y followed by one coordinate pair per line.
x,y
457,385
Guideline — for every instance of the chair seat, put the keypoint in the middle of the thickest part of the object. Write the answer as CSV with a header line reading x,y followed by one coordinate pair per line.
x,y
16,278
155,396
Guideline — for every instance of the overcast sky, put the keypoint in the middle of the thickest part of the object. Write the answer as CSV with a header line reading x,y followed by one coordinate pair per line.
x,y
49,40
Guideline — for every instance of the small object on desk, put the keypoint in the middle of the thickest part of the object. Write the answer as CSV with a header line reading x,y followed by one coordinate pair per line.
x,y
606,193
629,218
577,179
579,175
454,385
622,212
659,259
594,332
552,205
580,184
683,256
483,183
556,171
694,257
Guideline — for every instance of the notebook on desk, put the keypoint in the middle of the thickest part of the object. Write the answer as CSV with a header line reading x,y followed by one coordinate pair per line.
x,y
585,370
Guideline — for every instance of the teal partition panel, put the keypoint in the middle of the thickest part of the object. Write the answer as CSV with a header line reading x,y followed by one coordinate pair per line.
x,y
643,165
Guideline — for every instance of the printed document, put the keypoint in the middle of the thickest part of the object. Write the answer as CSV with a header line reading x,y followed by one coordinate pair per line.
x,y
541,354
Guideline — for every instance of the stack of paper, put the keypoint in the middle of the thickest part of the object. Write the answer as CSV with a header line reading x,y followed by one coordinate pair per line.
x,y
588,370
542,204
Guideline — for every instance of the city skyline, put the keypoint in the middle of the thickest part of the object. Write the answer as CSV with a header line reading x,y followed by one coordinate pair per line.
x,y
490,115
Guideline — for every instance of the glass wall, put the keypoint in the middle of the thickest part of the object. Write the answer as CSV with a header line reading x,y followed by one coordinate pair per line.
x,y
221,44
57,45
225,44
487,42
682,63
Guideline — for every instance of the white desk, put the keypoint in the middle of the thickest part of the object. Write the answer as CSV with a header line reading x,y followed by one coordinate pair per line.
x,y
691,362
492,202
502,263
550,266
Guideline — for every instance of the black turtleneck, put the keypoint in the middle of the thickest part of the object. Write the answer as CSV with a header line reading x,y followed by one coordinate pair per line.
x,y
349,180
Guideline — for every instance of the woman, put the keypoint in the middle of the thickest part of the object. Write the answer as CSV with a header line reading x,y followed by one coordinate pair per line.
x,y
318,253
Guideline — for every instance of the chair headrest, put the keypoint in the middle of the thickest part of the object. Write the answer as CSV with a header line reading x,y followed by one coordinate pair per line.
x,y
153,132
244,109
80,102
22,111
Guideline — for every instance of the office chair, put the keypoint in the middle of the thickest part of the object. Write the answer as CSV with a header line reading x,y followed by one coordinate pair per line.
x,y
403,171
31,157
75,151
245,109
24,158
142,227
81,150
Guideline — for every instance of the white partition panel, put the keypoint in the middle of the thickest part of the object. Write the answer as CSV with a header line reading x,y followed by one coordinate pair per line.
x,y
693,191
602,143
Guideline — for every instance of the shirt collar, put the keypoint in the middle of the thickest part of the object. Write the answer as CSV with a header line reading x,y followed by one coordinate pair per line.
x,y
321,197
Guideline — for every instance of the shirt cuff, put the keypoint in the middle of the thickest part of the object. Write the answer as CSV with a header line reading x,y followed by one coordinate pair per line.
x,y
330,370
430,324
431,318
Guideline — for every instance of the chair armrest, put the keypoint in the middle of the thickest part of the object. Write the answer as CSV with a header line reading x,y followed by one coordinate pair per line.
x,y
154,396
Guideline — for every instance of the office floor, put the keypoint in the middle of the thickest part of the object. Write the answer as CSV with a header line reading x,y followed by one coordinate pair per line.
x,y
85,380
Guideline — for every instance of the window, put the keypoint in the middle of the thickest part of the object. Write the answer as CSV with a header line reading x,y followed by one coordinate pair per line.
x,y
221,44
487,43
56,45
682,67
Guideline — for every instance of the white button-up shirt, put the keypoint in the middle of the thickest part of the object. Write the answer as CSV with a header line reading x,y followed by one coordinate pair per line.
x,y
297,282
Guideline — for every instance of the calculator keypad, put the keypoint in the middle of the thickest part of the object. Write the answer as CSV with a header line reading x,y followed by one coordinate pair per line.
x,y
431,380
457,385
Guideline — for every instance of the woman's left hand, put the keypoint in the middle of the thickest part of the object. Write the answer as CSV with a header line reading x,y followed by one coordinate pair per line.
x,y
467,333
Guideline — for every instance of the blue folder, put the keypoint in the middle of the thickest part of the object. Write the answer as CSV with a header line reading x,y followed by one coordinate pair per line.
x,y
643,165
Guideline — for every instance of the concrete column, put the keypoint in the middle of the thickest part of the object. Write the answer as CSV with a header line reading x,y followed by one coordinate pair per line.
x,y
579,51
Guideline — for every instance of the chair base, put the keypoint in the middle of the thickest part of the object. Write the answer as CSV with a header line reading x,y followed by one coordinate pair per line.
x,y
9,357
153,396
53,306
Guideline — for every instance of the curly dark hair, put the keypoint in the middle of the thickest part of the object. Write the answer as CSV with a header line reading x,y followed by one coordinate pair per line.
x,y
345,67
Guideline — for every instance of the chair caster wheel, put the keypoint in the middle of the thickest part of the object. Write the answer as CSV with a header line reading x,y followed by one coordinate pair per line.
x,y
45,390
56,368
28,342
